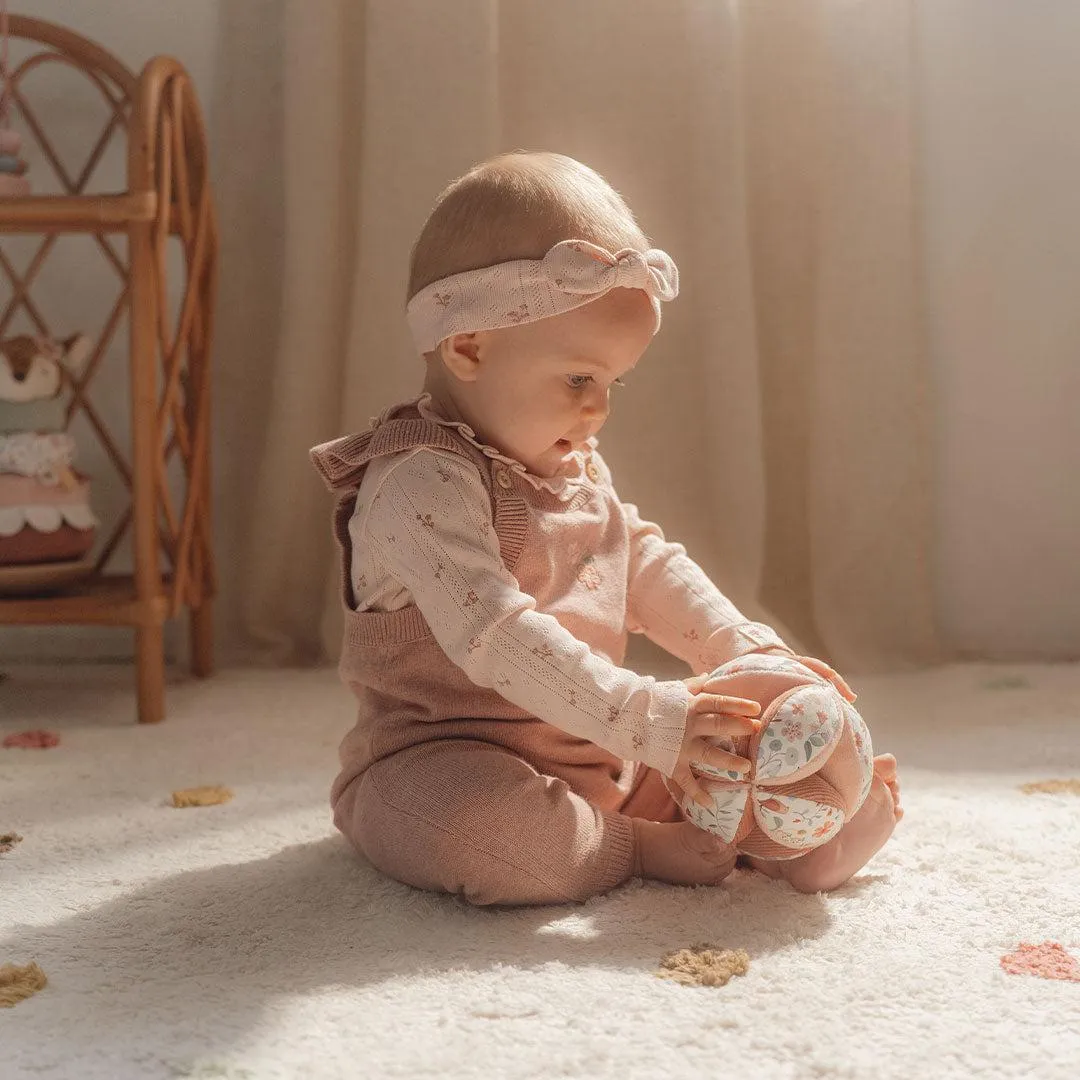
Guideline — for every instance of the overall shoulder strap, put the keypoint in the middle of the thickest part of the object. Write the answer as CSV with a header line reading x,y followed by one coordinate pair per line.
x,y
341,462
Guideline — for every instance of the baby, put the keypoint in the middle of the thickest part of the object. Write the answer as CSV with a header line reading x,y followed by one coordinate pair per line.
x,y
492,574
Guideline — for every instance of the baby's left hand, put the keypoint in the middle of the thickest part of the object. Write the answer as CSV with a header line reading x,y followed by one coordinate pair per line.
x,y
819,667
697,683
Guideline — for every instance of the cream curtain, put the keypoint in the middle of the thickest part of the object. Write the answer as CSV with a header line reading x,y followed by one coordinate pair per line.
x,y
779,425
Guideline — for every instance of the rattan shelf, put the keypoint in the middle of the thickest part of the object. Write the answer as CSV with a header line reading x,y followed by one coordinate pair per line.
x,y
168,194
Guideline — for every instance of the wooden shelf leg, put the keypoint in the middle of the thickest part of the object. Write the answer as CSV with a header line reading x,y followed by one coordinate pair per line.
x,y
145,450
202,639
150,673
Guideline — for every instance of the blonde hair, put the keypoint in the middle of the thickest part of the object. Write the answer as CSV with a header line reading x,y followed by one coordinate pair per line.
x,y
517,206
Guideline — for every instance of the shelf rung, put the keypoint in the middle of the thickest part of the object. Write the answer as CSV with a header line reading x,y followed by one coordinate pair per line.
x,y
108,600
75,213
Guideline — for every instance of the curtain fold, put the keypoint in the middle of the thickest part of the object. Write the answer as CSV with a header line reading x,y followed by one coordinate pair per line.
x,y
779,425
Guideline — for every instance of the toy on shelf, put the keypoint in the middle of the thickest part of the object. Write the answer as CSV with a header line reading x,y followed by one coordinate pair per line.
x,y
46,525
153,558
12,167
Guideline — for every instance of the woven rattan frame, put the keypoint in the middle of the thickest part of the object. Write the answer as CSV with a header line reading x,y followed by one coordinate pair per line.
x,y
168,194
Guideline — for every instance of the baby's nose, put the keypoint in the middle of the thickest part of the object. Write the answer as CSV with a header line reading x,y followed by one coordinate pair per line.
x,y
595,409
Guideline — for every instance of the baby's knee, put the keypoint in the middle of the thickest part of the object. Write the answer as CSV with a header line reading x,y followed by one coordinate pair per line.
x,y
431,832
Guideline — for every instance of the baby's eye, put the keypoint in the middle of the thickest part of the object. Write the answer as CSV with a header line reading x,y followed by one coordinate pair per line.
x,y
579,382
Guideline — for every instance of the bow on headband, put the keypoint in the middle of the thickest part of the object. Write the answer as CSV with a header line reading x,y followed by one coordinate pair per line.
x,y
572,273
576,266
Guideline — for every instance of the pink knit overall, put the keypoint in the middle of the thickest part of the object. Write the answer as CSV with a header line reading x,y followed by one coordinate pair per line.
x,y
445,784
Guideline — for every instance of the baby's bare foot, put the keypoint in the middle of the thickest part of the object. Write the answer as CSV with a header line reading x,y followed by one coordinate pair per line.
x,y
885,768
833,863
680,853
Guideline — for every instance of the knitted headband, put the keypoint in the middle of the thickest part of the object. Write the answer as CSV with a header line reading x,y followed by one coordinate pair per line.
x,y
572,273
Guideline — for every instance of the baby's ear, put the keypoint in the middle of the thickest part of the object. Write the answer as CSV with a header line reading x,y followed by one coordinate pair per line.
x,y
460,354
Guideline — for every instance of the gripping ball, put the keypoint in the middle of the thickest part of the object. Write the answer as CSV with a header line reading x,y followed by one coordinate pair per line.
x,y
811,762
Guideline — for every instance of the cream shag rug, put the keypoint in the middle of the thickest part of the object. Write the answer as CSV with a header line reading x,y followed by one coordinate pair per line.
x,y
246,940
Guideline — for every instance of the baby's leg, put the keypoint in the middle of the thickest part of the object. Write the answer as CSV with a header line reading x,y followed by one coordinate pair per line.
x,y
669,847
469,817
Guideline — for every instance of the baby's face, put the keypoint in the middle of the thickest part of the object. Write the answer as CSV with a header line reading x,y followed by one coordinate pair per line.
x,y
542,388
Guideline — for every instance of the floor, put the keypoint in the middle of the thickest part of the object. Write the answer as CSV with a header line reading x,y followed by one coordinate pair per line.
x,y
246,940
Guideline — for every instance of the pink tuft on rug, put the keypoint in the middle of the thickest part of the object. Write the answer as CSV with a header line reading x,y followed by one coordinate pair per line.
x,y
1048,960
31,740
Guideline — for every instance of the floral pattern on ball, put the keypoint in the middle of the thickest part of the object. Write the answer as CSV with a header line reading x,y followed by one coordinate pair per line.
x,y
803,732
725,817
795,822
865,747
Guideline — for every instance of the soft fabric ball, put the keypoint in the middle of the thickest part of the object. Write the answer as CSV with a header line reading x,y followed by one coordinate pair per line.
x,y
811,763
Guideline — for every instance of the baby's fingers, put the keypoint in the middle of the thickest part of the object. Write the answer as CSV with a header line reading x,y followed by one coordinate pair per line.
x,y
696,683
709,756
819,667
723,703
709,722
718,703
689,784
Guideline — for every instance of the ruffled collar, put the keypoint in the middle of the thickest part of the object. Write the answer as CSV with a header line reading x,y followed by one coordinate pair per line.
x,y
557,485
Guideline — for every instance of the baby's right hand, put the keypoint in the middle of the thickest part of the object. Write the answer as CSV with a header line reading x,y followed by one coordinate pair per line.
x,y
712,716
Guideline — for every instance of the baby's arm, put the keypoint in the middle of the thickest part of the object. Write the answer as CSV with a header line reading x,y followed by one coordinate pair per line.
x,y
430,523
673,602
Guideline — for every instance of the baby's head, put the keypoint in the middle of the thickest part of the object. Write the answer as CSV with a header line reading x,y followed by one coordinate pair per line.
x,y
533,380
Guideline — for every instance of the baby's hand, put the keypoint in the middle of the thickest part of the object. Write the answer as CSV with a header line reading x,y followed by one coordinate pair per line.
x,y
712,716
819,667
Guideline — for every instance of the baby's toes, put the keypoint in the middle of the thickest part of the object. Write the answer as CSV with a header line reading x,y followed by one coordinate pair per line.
x,y
894,789
885,767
